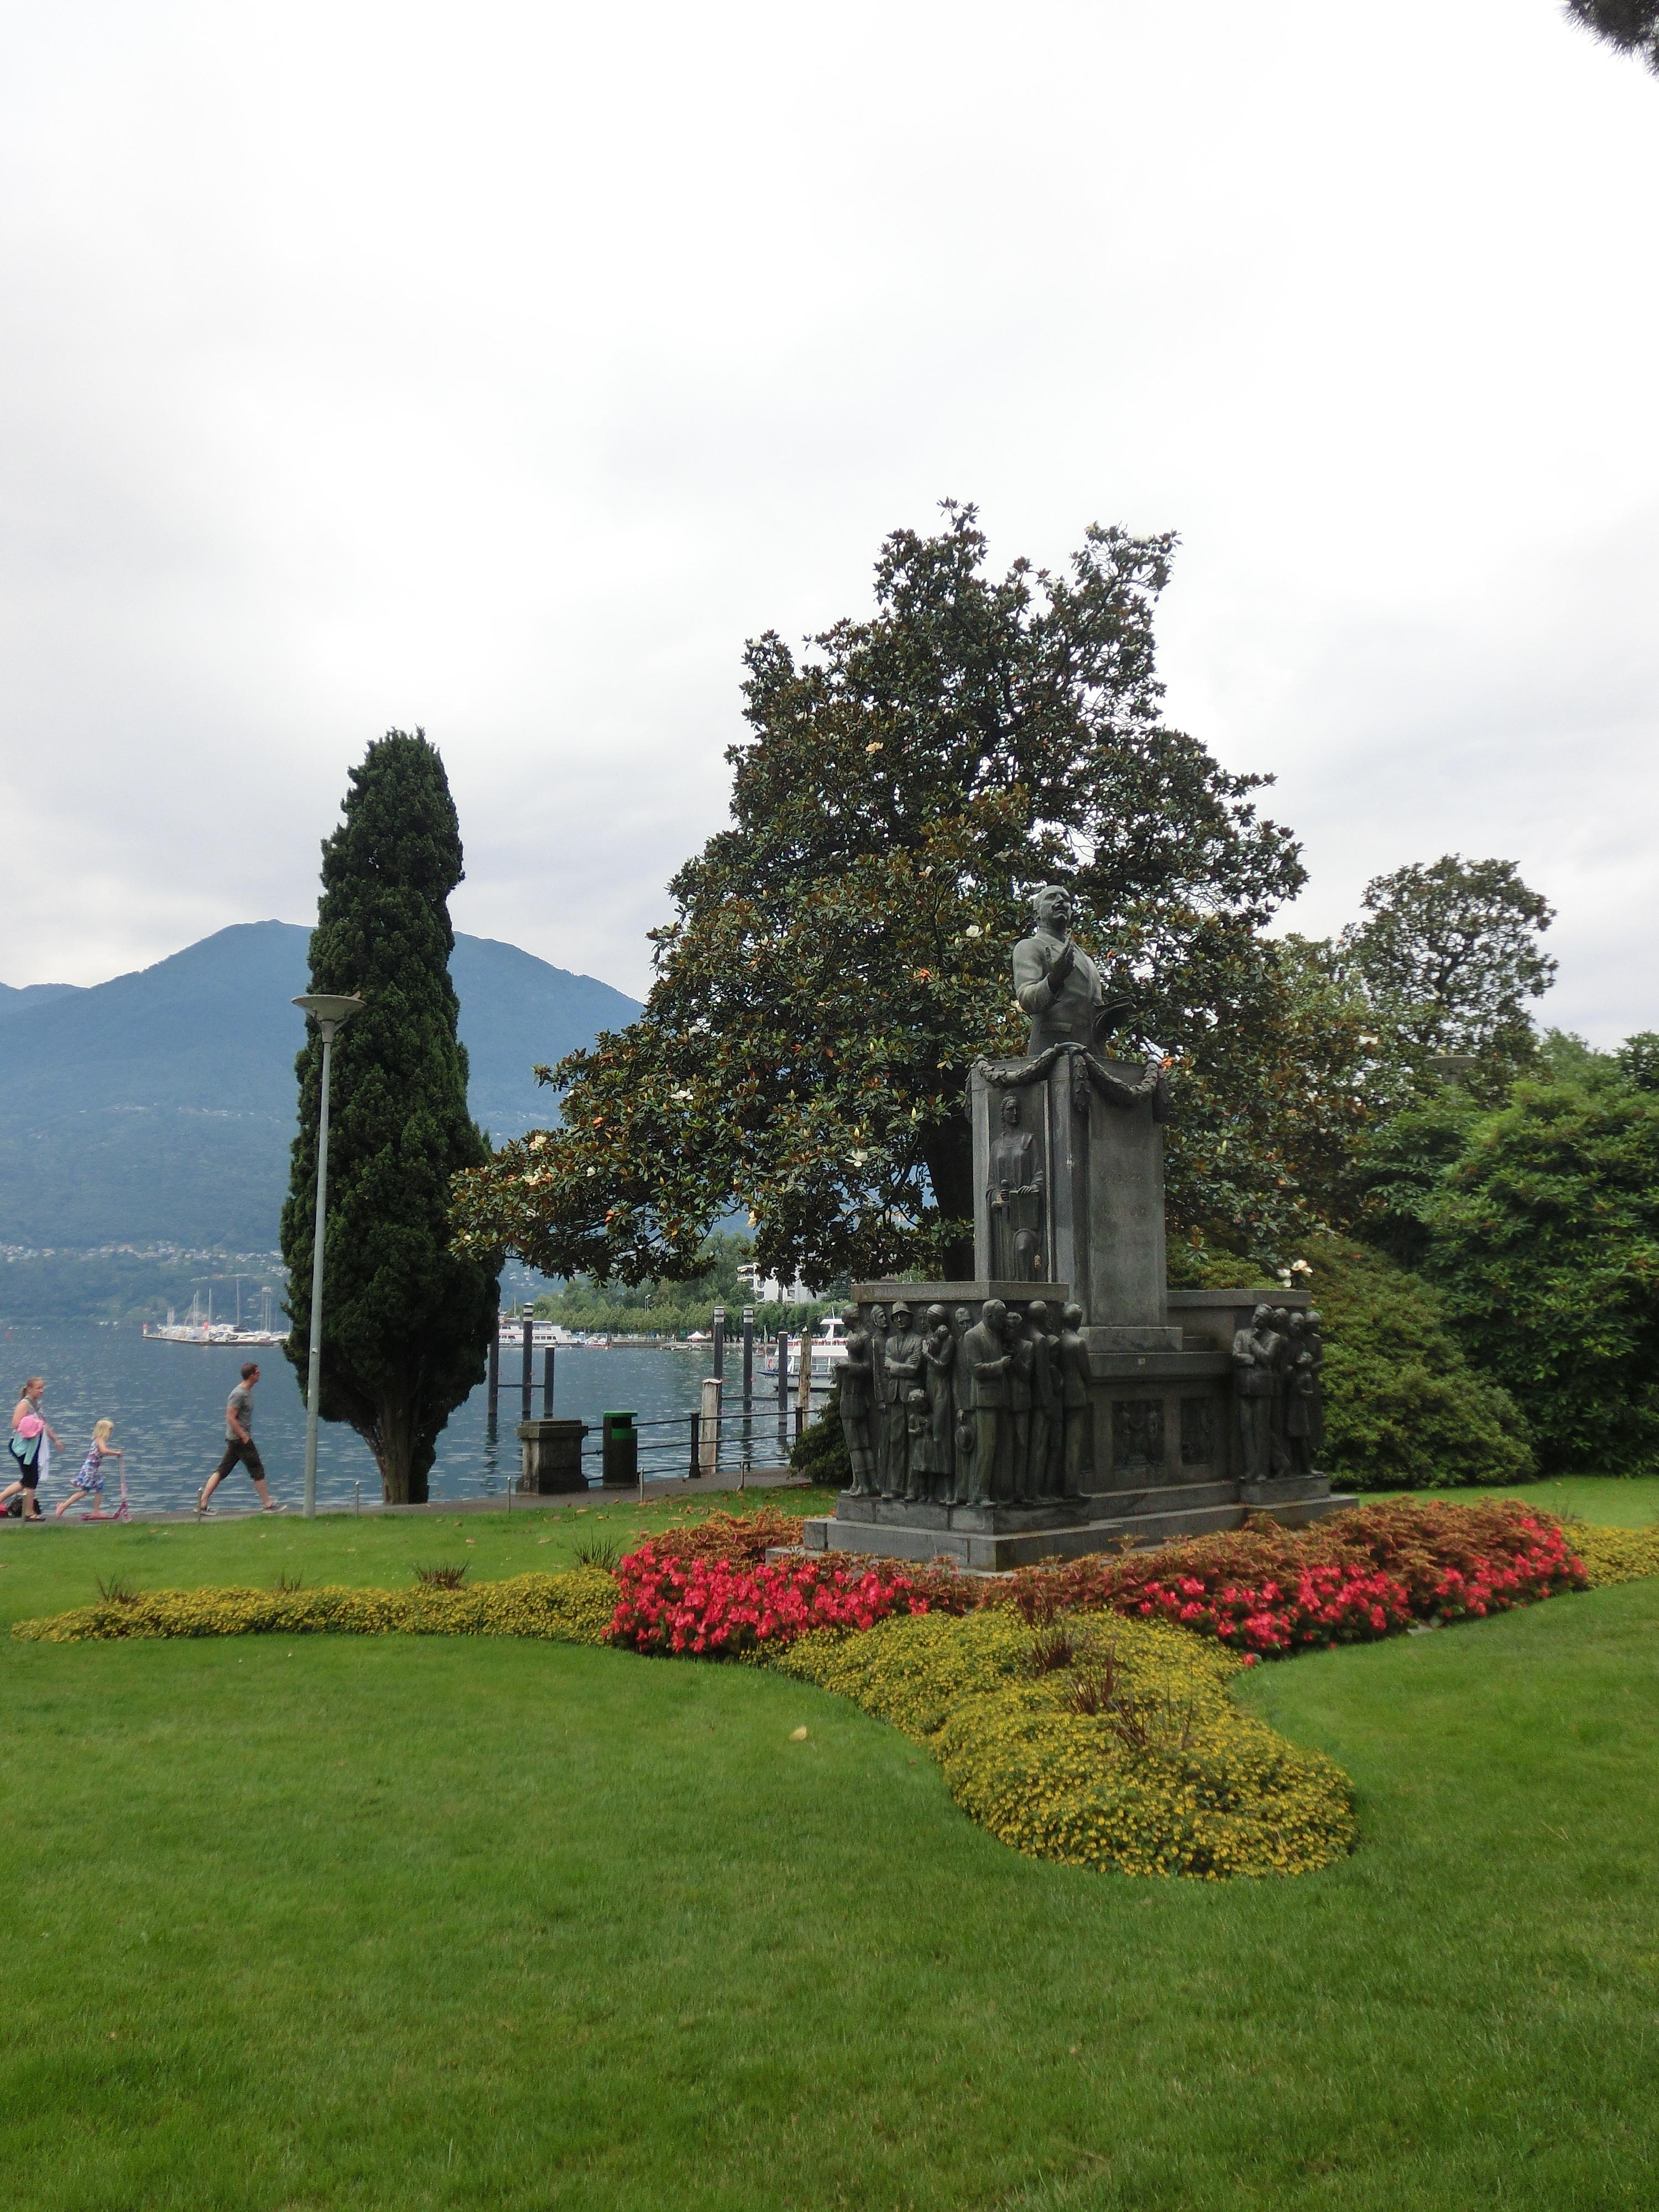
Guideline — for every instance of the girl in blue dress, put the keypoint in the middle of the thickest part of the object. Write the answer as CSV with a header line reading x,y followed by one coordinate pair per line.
x,y
90,1483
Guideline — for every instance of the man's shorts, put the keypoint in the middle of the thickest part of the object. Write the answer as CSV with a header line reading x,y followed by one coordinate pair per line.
x,y
249,1456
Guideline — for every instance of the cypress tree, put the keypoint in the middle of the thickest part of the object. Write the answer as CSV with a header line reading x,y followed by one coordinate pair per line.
x,y
406,1319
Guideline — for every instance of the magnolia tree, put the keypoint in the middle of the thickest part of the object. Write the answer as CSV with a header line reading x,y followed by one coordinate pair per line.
x,y
839,955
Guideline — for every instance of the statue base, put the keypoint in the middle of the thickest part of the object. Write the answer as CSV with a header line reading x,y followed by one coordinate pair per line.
x,y
995,1539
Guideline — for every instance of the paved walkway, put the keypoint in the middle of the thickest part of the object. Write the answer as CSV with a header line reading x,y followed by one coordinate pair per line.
x,y
727,1480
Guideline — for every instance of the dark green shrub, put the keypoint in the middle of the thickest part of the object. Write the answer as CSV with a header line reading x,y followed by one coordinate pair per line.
x,y
1404,1408
820,1450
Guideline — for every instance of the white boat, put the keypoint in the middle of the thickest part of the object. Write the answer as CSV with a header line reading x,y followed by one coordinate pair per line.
x,y
510,1331
214,1332
199,1328
828,1349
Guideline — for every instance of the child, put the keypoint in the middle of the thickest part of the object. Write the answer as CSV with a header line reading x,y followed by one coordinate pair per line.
x,y
90,1480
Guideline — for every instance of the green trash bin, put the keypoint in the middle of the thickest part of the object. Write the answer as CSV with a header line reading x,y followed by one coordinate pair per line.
x,y
620,1448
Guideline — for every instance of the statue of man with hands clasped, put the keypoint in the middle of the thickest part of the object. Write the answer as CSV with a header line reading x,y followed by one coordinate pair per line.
x,y
1055,981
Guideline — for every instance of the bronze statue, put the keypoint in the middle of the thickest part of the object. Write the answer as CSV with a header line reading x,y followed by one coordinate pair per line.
x,y
1015,1197
1077,1412
939,1352
901,1372
1256,1383
1016,1443
878,1328
1055,981
856,1398
962,1405
1301,1388
1307,1341
986,1356
1042,1464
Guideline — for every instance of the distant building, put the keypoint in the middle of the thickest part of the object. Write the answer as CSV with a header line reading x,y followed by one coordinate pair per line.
x,y
769,1290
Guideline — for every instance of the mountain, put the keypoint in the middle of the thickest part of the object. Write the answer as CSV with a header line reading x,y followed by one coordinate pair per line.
x,y
32,995
158,1108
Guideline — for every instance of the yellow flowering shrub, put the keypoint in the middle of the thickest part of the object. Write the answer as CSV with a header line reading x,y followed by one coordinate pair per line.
x,y
565,1609
1098,1741
1614,1555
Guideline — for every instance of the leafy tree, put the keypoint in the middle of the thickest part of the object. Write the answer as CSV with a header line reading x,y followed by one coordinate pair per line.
x,y
1398,1167
1543,1237
1632,26
1295,1098
1638,1060
1448,954
839,957
407,1319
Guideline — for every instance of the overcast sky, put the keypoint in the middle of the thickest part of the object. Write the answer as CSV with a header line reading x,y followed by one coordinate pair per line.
x,y
501,368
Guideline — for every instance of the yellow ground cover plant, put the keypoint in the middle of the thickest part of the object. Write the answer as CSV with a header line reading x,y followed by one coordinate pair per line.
x,y
575,1608
1095,1740
1614,1555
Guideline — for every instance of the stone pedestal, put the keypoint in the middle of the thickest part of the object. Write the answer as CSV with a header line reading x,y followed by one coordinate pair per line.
x,y
1158,1447
552,1456
1101,1225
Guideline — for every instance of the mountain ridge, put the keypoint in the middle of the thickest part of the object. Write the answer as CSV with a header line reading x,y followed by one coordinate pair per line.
x,y
158,1107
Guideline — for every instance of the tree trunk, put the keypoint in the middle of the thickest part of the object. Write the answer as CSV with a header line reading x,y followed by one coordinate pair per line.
x,y
405,1455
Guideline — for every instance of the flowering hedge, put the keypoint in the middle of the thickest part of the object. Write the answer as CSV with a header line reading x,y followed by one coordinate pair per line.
x,y
1267,1591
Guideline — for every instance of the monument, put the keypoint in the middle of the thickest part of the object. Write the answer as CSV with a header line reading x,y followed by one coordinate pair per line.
x,y
1066,1401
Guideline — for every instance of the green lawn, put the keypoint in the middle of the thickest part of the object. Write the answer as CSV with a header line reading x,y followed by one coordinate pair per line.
x,y
400,1923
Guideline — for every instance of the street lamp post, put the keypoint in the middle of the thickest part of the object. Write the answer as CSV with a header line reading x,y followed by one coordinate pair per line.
x,y
329,1013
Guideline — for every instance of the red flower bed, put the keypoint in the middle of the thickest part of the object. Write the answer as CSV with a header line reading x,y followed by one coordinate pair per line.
x,y
718,1606
1349,1579
1263,1590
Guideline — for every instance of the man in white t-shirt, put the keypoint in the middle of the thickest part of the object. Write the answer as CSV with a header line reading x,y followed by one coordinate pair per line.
x,y
239,1445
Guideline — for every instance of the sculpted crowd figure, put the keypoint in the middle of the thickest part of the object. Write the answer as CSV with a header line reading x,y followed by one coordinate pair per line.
x,y
1276,1384
966,1412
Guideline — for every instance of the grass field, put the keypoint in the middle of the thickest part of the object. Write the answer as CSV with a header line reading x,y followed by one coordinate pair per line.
x,y
400,1922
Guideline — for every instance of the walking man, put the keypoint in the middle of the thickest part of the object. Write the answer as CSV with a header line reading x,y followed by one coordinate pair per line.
x,y
239,1445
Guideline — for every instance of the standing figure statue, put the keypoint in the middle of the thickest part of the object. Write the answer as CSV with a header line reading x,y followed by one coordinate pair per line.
x,y
1284,1359
878,1328
919,1428
1017,1446
1255,1381
1015,1201
856,1397
1055,981
962,1405
900,1373
938,1353
986,1357
1307,1341
1045,1407
1075,1403
1301,1389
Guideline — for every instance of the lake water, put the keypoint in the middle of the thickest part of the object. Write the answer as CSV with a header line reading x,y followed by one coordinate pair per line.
x,y
168,1402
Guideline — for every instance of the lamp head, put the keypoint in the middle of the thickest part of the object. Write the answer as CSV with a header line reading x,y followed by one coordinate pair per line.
x,y
328,1010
